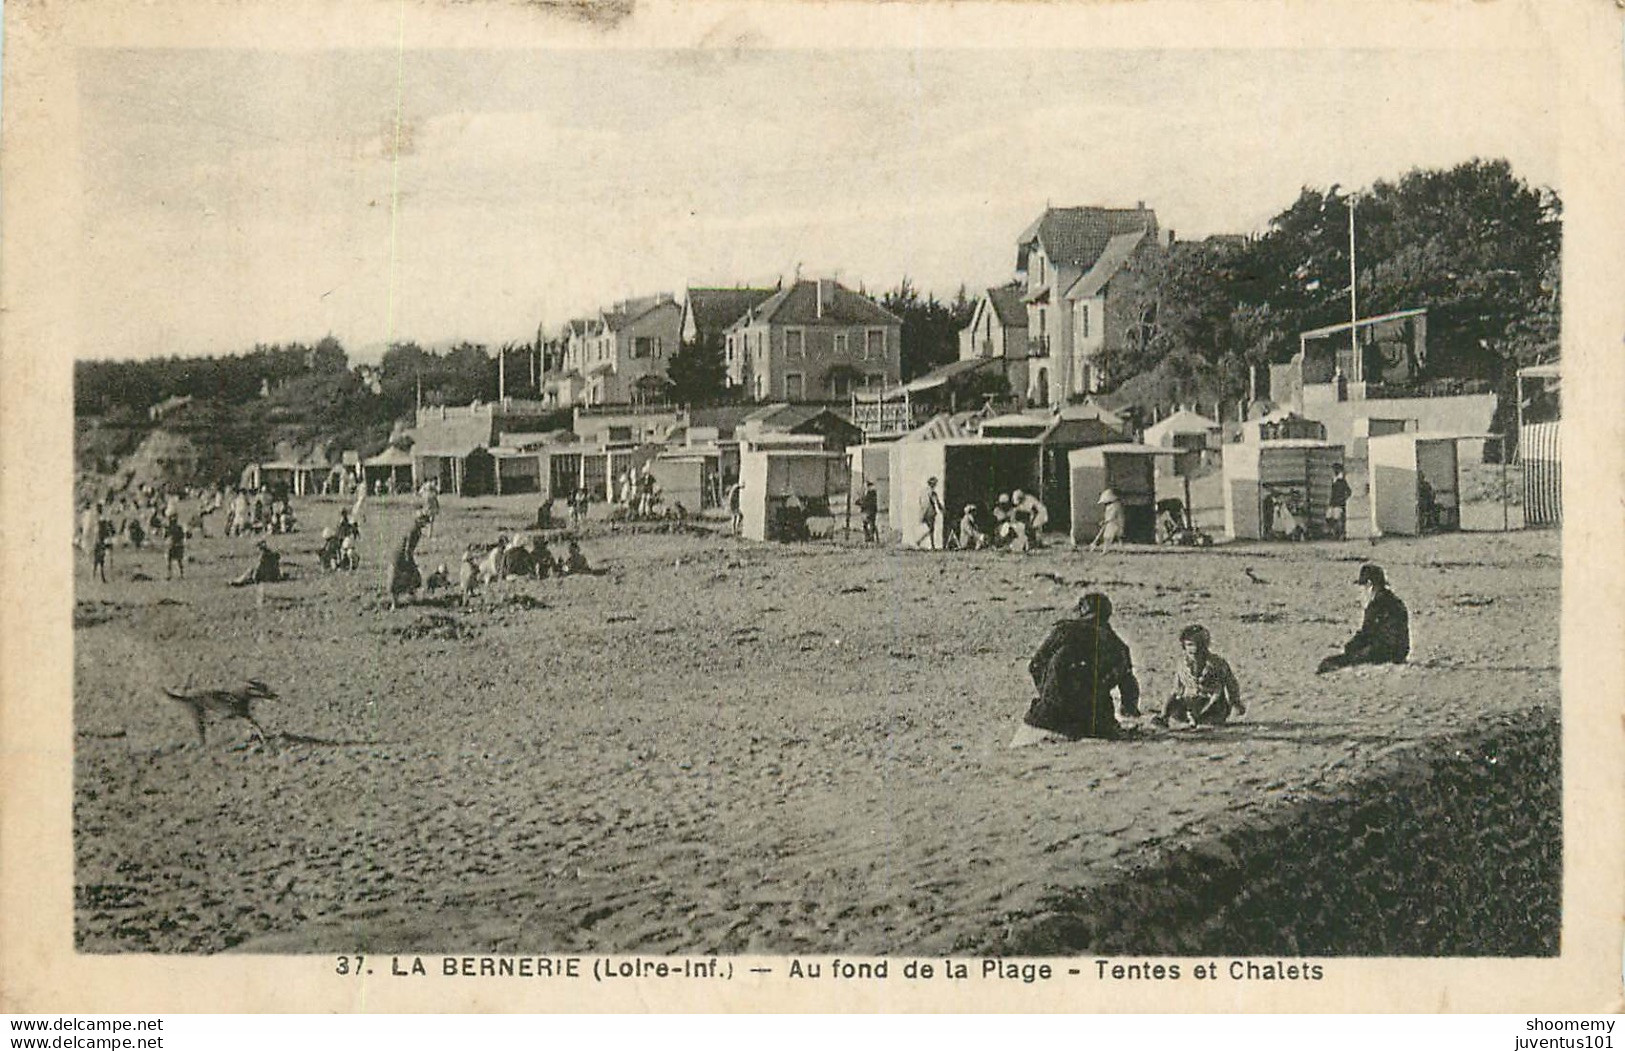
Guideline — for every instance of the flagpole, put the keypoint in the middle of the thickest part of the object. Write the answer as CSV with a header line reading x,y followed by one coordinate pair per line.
x,y
1354,305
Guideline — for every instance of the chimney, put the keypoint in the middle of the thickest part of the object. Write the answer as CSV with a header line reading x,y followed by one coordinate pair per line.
x,y
1139,206
1170,238
826,294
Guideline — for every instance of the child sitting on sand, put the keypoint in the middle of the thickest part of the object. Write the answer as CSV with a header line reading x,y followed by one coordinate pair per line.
x,y
1205,689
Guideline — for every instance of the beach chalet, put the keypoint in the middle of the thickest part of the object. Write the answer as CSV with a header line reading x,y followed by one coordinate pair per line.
x,y
1057,435
269,474
691,477
1128,470
797,426
969,470
391,469
294,475
772,476
1184,430
453,445
938,428
1278,489
1539,447
1416,483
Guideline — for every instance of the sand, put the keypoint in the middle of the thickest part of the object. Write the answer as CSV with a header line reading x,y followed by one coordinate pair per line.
x,y
721,746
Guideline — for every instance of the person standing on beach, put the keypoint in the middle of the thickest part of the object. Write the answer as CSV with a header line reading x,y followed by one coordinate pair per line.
x,y
175,545
869,508
930,513
735,509
1337,508
1385,631
1111,528
103,539
404,577
1076,669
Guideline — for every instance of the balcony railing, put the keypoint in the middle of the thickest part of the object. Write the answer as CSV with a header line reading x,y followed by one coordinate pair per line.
x,y
1038,347
886,417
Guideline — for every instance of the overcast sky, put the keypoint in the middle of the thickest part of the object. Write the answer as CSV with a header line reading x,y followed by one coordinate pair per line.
x,y
235,197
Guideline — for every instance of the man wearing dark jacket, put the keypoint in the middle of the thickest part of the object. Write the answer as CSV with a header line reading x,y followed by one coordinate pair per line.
x,y
1076,668
1385,633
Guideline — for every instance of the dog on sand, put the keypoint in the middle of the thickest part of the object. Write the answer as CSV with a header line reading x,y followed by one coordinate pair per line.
x,y
235,703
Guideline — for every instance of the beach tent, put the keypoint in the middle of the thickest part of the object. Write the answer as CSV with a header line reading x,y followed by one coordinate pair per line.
x,y
1539,443
1127,469
1416,483
1278,489
517,471
771,476
688,477
968,471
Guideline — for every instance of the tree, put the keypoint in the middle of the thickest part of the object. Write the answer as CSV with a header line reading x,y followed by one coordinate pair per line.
x,y
930,328
697,371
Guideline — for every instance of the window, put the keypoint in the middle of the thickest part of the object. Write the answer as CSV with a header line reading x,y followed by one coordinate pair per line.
x,y
1040,267
795,344
1083,320
730,350
874,343
840,342
1041,320
840,385
793,385
643,347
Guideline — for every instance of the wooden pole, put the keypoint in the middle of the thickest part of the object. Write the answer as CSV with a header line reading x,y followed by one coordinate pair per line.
x,y
1506,520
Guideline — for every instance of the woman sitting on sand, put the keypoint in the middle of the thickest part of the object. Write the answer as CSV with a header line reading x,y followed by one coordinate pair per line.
x,y
1076,669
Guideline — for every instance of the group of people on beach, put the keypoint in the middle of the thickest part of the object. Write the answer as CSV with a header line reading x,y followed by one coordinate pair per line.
x,y
150,517
1082,663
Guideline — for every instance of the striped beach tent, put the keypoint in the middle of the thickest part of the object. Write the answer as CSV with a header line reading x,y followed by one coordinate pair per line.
x,y
1539,450
1540,445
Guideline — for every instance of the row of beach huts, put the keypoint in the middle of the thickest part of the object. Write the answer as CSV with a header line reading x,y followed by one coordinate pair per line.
x,y
810,455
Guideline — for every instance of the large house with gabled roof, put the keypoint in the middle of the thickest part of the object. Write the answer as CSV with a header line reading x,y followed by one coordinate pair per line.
x,y
1068,262
619,355
814,341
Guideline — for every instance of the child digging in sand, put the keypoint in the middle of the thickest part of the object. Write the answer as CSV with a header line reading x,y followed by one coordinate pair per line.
x,y
1205,689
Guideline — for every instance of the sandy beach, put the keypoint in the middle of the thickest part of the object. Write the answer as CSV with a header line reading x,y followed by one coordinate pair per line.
x,y
725,747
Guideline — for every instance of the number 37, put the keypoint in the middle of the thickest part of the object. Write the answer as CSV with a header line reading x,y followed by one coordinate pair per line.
x,y
349,964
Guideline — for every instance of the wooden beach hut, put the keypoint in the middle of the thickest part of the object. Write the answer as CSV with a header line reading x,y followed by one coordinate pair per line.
x,y
690,477
772,476
1416,482
968,471
1127,469
1277,490
392,464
